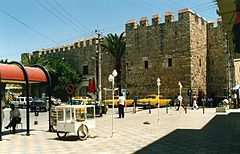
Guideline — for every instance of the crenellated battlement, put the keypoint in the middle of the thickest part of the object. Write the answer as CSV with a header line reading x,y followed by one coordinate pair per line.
x,y
143,21
212,25
156,19
183,16
78,44
169,17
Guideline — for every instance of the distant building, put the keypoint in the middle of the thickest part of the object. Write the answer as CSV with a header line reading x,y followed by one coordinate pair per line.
x,y
190,50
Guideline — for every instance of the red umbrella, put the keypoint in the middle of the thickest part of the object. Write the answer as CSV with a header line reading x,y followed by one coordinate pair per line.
x,y
93,86
90,85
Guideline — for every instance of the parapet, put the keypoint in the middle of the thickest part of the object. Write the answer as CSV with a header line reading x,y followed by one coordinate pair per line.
x,y
156,19
169,17
212,24
131,24
219,22
185,10
143,21
84,43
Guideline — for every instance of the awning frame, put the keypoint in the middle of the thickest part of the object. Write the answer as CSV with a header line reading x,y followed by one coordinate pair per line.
x,y
26,81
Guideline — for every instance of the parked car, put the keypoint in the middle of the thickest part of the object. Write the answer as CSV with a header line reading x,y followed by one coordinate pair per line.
x,y
21,102
129,102
152,101
39,104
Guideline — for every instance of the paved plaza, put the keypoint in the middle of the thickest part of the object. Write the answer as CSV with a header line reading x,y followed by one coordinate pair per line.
x,y
176,132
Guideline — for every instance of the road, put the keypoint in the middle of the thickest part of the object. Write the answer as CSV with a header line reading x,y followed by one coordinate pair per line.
x,y
176,132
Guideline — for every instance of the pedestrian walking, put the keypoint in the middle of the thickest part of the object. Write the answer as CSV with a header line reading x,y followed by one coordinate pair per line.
x,y
121,104
180,98
195,102
235,103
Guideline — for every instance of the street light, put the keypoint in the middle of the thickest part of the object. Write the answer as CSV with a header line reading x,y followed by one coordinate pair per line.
x,y
158,84
111,79
180,88
99,65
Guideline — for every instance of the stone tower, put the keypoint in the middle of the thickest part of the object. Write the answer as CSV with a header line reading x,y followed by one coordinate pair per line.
x,y
174,51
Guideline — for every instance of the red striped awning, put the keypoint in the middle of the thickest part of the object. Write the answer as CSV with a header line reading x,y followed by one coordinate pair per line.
x,y
13,73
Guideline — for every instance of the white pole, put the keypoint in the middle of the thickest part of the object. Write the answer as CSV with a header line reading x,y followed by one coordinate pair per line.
x,y
158,103
112,105
158,84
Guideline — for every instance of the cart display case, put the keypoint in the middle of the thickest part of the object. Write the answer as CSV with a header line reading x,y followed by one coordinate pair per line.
x,y
78,119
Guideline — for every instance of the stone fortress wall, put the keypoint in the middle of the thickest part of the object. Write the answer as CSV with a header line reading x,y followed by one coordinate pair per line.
x,y
189,50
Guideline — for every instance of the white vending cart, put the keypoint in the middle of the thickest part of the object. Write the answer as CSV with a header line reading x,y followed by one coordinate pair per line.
x,y
78,119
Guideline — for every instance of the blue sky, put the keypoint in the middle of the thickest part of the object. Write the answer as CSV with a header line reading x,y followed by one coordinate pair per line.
x,y
29,25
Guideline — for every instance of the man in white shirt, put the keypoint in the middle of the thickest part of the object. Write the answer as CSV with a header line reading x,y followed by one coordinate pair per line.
x,y
180,98
235,100
121,104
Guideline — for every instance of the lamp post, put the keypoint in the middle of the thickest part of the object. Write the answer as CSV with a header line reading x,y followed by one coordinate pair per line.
x,y
180,88
99,71
158,84
111,79
180,92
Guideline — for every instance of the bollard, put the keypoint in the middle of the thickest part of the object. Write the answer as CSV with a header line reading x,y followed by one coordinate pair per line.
x,y
149,108
203,107
36,115
166,108
134,108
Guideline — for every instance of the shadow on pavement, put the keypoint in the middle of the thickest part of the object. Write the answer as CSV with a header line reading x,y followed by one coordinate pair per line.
x,y
11,132
220,135
8,132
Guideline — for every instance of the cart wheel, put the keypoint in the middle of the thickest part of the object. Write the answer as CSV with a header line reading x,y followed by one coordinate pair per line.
x,y
61,135
82,132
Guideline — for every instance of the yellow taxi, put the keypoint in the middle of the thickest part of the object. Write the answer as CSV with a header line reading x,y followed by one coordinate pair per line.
x,y
152,101
108,102
100,108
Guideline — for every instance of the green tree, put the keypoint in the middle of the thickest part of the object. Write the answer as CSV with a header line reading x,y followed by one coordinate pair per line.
x,y
116,45
64,74
37,59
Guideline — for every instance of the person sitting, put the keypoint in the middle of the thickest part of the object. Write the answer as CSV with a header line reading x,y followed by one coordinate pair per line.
x,y
15,117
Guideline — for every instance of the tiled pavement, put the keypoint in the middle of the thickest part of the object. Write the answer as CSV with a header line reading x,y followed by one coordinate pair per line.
x,y
176,132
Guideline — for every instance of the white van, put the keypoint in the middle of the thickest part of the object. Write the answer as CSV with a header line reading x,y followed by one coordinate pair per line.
x,y
21,102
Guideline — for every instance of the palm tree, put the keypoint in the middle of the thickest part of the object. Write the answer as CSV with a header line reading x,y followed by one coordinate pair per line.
x,y
116,45
36,89
4,61
37,59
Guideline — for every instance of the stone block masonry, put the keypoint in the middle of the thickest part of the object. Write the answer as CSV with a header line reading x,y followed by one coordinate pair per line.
x,y
189,50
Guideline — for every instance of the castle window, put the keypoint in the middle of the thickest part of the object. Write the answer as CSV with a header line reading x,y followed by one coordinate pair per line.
x,y
200,63
211,79
169,62
85,70
146,64
212,61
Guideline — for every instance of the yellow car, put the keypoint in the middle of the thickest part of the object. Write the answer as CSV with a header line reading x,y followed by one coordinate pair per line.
x,y
79,100
129,102
152,101
100,108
